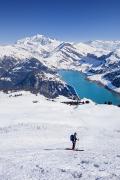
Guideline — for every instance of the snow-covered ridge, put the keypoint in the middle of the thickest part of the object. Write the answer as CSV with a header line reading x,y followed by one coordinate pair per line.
x,y
39,45
84,48
14,52
106,45
93,57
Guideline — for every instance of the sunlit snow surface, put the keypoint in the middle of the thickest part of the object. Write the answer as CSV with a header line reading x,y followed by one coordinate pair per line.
x,y
33,138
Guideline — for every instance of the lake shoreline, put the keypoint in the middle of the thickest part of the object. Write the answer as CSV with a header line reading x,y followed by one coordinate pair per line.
x,y
105,86
90,89
97,82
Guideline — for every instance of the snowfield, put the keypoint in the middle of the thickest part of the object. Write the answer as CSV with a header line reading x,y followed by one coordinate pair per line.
x,y
34,133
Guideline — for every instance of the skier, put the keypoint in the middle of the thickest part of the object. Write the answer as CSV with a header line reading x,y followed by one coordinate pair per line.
x,y
74,138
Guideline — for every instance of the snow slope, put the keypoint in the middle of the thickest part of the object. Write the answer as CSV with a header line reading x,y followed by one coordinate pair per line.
x,y
34,133
14,52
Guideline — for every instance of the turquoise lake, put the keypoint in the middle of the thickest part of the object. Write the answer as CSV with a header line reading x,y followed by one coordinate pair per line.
x,y
88,89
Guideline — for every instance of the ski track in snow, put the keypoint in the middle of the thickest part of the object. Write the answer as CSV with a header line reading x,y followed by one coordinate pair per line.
x,y
33,138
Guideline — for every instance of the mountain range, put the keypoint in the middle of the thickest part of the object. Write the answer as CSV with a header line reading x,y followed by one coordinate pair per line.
x,y
32,64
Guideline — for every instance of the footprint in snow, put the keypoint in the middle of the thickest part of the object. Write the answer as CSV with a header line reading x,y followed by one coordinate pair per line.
x,y
105,162
96,165
77,174
63,170
118,131
85,162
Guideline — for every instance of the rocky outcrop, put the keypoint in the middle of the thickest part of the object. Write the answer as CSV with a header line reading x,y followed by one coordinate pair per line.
x,y
114,78
32,75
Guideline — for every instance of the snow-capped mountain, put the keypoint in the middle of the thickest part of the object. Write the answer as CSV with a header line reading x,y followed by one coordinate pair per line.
x,y
40,40
100,60
38,45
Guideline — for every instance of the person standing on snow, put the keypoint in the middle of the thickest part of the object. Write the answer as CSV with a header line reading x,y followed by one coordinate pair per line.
x,y
74,138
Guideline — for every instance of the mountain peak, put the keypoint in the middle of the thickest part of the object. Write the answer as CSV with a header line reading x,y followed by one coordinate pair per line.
x,y
37,39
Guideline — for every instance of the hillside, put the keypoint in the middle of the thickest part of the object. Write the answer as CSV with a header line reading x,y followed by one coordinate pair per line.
x,y
34,133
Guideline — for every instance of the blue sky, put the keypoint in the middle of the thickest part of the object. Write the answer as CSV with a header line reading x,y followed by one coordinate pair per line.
x,y
70,20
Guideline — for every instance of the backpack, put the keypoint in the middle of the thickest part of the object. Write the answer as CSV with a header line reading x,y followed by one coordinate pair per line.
x,y
71,137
